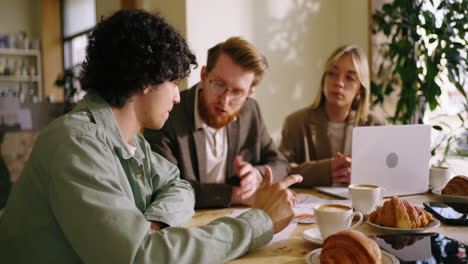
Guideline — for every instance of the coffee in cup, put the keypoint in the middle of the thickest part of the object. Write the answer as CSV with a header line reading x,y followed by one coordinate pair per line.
x,y
332,218
365,197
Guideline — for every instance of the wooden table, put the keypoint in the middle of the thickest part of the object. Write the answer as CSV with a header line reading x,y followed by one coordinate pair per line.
x,y
293,249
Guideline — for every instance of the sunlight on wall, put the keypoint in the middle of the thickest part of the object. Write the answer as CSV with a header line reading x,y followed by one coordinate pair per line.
x,y
210,22
296,36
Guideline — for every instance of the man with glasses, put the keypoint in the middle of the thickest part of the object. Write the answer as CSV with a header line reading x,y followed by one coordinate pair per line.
x,y
217,136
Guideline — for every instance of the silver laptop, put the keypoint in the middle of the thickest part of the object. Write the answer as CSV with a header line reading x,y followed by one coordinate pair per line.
x,y
393,157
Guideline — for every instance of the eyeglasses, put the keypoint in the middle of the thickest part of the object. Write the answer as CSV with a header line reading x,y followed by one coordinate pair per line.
x,y
219,88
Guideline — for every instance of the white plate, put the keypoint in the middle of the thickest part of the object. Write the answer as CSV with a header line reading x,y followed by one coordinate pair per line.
x,y
450,198
313,235
435,223
313,257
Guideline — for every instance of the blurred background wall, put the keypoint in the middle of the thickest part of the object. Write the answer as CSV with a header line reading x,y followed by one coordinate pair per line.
x,y
296,36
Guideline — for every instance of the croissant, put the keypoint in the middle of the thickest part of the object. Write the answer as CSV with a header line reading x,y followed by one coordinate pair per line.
x,y
400,214
350,246
457,186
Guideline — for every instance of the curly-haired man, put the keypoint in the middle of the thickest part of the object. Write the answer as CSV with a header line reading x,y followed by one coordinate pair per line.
x,y
92,191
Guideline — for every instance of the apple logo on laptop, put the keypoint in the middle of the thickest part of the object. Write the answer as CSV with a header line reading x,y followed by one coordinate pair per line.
x,y
392,160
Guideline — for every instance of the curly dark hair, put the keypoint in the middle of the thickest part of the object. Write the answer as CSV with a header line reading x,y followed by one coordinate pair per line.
x,y
132,49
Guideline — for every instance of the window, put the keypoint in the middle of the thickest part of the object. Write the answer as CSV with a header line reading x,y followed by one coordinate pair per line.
x,y
78,19
452,114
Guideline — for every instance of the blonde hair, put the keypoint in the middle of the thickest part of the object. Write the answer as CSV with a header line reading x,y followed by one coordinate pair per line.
x,y
362,68
241,52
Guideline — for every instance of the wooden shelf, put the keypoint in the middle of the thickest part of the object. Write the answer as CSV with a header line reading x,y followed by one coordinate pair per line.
x,y
13,78
19,52
28,55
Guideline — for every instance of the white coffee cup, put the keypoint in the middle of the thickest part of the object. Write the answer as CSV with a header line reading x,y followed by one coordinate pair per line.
x,y
365,197
438,177
332,218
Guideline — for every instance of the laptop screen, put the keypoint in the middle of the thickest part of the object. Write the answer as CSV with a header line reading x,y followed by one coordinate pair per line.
x,y
393,157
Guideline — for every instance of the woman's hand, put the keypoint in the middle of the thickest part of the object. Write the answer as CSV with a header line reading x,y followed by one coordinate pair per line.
x,y
341,169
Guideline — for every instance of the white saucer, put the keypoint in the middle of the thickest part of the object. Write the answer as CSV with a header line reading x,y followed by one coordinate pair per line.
x,y
313,235
313,257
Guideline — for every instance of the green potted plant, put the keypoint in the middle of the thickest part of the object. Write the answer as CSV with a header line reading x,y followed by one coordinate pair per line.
x,y
426,49
70,82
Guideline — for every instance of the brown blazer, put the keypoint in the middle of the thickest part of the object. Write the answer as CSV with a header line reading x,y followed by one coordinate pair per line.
x,y
306,145
180,143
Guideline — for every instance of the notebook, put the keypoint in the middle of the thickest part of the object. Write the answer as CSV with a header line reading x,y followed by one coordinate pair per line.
x,y
339,192
393,157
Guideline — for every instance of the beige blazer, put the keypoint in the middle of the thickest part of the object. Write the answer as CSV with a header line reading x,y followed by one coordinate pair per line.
x,y
306,145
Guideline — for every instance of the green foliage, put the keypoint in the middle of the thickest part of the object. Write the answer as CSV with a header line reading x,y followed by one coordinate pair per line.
x,y
69,80
417,62
449,140
423,52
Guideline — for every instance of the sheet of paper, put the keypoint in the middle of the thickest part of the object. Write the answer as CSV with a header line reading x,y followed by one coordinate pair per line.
x,y
284,234
305,201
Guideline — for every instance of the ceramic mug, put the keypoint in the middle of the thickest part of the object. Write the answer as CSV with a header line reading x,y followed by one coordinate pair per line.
x,y
438,177
365,197
332,218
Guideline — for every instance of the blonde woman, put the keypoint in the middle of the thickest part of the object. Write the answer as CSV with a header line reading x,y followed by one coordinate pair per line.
x,y
317,139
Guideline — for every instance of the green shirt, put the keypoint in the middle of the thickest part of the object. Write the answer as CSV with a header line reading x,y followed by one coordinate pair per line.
x,y
83,197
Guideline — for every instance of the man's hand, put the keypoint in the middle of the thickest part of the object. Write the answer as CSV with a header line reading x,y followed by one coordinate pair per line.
x,y
250,181
341,169
276,199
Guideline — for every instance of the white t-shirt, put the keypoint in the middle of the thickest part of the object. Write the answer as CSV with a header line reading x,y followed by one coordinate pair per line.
x,y
131,149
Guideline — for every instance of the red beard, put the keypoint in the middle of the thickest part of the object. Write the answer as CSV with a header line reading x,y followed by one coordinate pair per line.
x,y
213,120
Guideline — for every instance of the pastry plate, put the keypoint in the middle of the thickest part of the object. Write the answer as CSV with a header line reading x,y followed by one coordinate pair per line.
x,y
435,223
313,235
313,257
450,198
